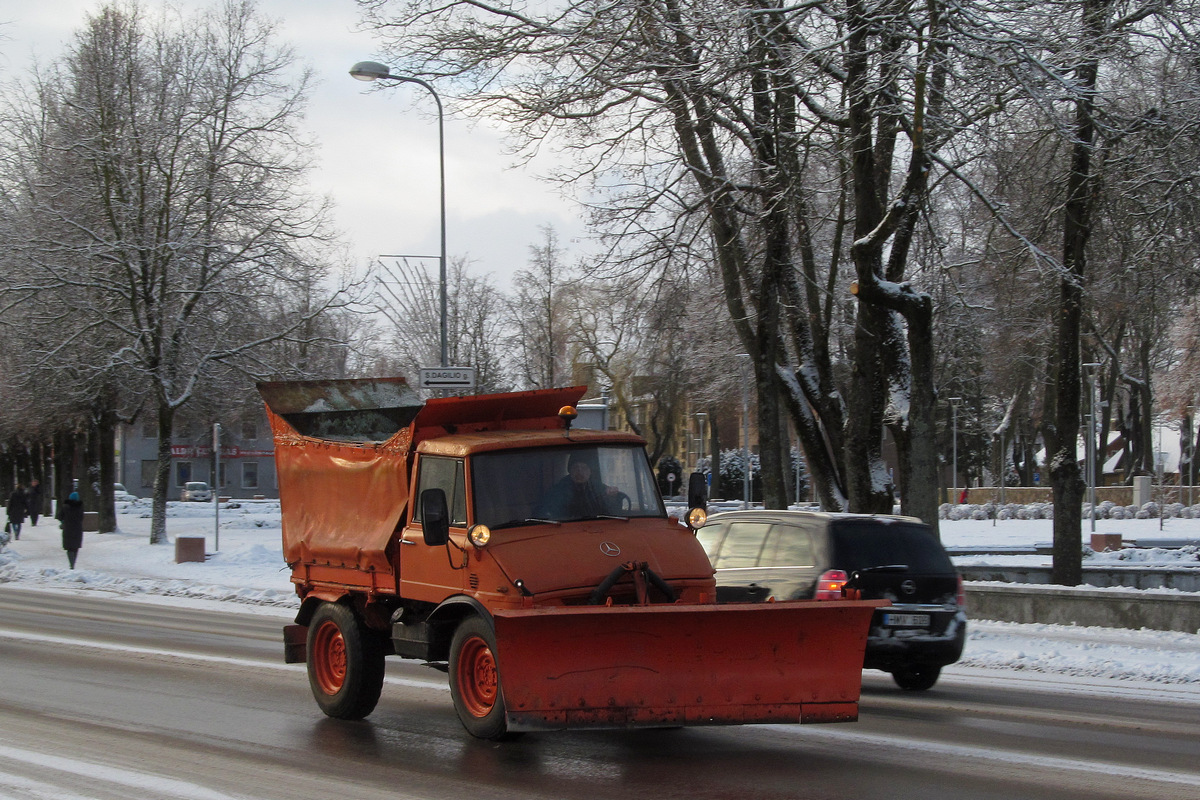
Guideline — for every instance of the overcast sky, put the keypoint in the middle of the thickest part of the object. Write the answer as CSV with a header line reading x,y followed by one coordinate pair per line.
x,y
378,151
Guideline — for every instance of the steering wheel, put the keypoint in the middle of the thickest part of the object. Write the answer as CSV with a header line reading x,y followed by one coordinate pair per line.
x,y
621,501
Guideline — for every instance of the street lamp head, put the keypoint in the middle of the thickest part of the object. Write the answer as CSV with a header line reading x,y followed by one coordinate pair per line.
x,y
370,71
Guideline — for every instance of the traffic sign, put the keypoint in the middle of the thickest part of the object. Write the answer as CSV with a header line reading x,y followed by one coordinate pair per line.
x,y
447,377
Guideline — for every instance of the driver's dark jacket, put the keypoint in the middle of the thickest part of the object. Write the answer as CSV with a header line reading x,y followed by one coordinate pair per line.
x,y
568,499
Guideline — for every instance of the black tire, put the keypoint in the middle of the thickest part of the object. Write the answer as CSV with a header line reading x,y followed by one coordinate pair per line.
x,y
345,663
475,680
916,679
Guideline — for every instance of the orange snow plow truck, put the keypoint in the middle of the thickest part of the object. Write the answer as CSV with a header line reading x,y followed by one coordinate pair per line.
x,y
534,563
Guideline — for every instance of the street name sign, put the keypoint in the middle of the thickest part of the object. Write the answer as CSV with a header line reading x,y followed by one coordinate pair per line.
x,y
447,377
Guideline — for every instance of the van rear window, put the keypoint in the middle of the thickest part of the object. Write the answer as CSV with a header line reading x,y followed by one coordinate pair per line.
x,y
859,544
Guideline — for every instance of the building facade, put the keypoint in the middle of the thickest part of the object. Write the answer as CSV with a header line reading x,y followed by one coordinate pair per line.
x,y
246,460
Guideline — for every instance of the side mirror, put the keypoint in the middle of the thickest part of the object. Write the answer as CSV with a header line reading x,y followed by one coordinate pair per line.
x,y
697,513
697,490
435,517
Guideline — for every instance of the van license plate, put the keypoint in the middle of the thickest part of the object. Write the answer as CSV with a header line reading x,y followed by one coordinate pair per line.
x,y
906,620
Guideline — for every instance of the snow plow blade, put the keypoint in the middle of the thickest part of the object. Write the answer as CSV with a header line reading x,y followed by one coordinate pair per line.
x,y
668,665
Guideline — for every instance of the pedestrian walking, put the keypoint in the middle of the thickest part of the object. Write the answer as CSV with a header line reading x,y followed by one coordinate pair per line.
x,y
70,514
33,498
18,508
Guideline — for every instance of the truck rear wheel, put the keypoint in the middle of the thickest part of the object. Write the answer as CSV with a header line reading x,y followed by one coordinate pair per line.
x,y
345,663
475,680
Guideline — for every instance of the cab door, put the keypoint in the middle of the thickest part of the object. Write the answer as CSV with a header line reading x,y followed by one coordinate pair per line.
x,y
434,573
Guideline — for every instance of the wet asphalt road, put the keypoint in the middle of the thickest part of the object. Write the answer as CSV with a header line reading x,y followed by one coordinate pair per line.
x,y
112,698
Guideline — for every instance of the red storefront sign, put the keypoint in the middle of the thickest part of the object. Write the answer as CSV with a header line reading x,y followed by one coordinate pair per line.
x,y
194,451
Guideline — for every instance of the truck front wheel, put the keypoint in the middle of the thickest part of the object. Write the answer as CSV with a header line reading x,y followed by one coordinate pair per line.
x,y
345,663
475,680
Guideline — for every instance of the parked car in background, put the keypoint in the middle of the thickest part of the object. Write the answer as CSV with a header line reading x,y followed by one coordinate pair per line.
x,y
120,493
791,555
198,491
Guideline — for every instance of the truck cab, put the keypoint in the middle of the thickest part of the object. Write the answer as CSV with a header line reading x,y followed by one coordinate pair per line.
x,y
539,518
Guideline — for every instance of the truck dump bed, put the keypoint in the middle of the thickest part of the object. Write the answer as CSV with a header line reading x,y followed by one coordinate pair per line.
x,y
343,450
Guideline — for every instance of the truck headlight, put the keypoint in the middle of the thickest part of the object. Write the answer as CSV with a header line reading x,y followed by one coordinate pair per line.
x,y
696,517
479,535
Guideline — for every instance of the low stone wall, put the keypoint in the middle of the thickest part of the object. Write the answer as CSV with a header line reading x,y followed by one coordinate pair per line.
x,y
1084,606
1121,495
1182,579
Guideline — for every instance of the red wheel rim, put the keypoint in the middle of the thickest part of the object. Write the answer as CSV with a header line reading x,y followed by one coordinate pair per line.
x,y
476,677
329,658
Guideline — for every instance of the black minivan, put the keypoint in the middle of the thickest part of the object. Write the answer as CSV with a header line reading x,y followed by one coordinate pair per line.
x,y
794,555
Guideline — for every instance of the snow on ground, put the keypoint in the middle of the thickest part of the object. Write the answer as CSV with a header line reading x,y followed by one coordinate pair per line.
x,y
245,570
246,567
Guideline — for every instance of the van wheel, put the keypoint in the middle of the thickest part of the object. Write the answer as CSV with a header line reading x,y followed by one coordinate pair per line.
x,y
916,679
345,663
475,680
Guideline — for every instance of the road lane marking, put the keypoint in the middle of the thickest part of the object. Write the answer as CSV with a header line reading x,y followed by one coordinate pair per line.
x,y
927,747
92,771
35,789
173,655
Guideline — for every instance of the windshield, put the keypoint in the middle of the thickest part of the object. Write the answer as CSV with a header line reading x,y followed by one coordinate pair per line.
x,y
560,484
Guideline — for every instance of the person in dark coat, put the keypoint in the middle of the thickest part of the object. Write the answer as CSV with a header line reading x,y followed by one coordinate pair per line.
x,y
71,516
17,510
33,499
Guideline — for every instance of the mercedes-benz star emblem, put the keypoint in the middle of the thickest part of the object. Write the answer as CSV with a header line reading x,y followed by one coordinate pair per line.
x,y
609,549
908,587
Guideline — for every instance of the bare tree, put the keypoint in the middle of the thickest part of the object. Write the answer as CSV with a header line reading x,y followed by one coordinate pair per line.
x,y
538,316
167,186
409,299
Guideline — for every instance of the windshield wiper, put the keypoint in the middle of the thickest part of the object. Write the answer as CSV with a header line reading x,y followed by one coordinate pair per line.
x,y
512,523
885,568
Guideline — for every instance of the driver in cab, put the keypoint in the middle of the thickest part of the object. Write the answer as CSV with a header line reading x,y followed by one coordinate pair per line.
x,y
576,494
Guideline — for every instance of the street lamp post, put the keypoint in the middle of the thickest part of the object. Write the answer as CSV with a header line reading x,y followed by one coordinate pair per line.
x,y
216,484
1091,440
372,71
954,401
1191,409
745,435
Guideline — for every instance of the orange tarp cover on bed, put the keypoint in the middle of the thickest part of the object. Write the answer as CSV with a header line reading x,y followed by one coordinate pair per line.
x,y
341,500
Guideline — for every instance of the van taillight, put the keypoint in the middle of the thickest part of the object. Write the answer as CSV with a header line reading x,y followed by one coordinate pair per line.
x,y
960,595
829,585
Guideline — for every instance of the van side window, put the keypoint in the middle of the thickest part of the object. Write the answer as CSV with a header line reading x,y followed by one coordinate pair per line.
x,y
710,539
445,474
788,546
743,545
